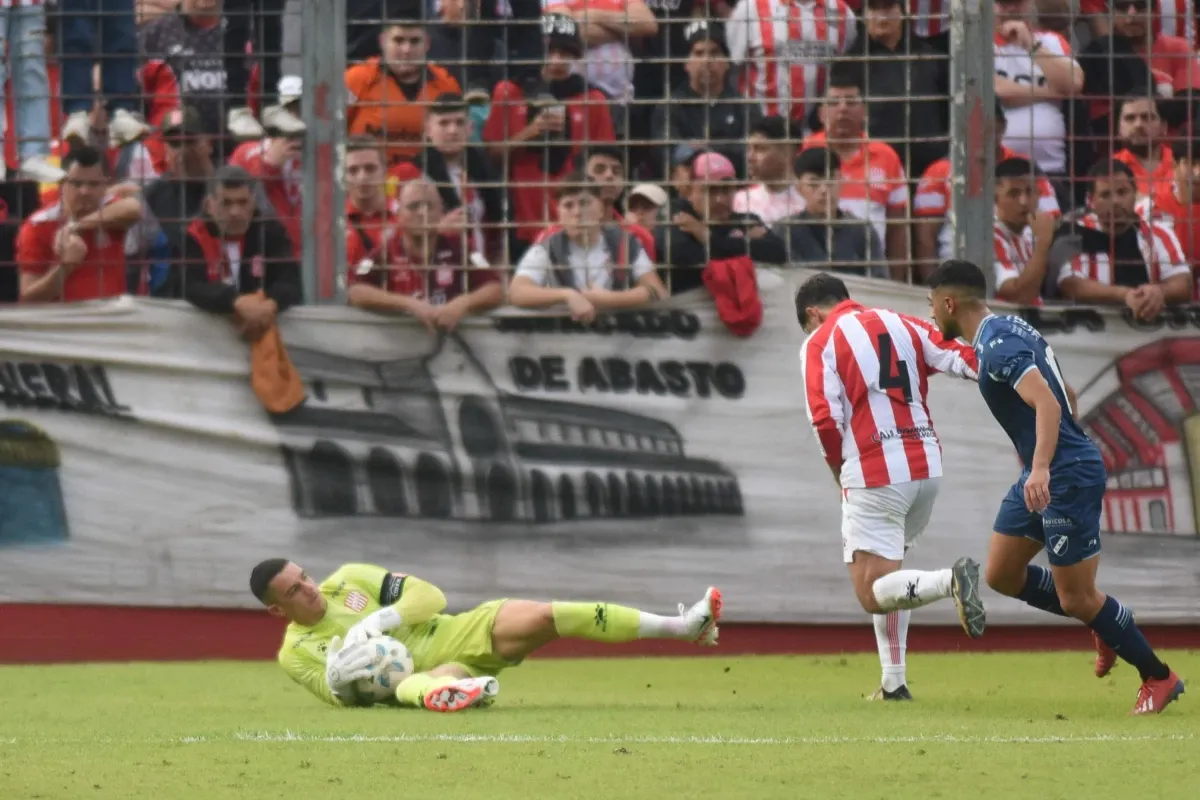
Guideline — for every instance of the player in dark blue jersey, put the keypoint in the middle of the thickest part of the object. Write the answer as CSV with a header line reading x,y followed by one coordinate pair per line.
x,y
1056,503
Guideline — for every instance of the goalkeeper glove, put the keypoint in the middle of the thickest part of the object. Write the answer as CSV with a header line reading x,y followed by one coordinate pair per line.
x,y
385,619
345,664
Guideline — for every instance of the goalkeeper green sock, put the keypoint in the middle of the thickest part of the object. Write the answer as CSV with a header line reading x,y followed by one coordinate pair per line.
x,y
412,690
605,622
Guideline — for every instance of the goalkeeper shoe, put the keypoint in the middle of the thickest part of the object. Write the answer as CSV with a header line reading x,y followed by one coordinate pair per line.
x,y
700,621
462,693
1106,657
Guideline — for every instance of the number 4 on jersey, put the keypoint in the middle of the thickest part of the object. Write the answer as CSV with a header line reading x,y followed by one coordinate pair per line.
x,y
887,382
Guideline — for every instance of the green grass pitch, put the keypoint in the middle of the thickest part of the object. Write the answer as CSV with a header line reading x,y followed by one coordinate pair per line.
x,y
983,726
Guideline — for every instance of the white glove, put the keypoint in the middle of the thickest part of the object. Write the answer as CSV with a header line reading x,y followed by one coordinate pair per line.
x,y
376,624
345,664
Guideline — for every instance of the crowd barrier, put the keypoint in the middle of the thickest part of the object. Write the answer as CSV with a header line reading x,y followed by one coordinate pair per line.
x,y
641,459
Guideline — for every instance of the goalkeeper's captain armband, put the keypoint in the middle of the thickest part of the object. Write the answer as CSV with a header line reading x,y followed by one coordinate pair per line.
x,y
392,588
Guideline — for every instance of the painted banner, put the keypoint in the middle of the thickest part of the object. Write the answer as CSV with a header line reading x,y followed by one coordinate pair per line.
x,y
639,460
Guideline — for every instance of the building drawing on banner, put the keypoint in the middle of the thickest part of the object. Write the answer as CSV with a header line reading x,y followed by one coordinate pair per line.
x,y
1144,414
32,510
435,437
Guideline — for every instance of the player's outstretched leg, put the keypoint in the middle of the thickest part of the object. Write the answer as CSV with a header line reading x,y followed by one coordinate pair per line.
x,y
447,688
911,588
606,622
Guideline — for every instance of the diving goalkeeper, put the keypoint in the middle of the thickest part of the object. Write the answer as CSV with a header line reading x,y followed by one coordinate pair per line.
x,y
455,656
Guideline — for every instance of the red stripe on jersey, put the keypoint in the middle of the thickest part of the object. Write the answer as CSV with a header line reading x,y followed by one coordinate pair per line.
x,y
818,402
862,423
914,447
798,76
923,384
766,29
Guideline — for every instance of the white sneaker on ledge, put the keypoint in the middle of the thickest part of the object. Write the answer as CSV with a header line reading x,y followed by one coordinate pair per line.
x,y
77,127
37,168
282,122
243,125
126,127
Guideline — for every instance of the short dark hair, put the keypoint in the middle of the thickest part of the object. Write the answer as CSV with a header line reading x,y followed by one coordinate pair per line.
x,y
817,161
962,276
261,576
606,150
85,156
230,177
1108,169
772,127
820,290
361,142
448,103
1014,167
846,75
577,182
1136,98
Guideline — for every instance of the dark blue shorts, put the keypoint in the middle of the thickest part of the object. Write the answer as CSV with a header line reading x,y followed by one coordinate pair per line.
x,y
1069,528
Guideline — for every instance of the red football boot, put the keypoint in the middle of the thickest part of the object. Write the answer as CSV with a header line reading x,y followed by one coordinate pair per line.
x,y
1106,657
1156,695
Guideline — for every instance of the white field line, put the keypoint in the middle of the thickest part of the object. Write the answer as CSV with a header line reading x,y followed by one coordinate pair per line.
x,y
510,738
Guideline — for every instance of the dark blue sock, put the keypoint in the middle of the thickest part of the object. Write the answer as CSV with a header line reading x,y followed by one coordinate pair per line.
x,y
1039,590
1115,627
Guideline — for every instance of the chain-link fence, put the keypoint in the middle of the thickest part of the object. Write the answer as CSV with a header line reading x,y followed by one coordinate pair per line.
x,y
404,155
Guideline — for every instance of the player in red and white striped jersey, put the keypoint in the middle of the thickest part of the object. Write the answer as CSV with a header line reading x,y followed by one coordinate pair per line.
x,y
784,47
866,373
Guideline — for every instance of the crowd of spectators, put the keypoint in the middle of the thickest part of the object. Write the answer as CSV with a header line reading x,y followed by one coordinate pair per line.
x,y
590,155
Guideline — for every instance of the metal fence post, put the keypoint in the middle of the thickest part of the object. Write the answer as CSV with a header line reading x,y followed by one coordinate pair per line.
x,y
972,132
324,112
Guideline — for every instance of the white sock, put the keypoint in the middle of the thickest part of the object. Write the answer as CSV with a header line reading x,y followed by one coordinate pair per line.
x,y
652,626
911,588
891,636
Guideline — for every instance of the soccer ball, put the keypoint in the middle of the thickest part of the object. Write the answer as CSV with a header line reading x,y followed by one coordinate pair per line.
x,y
393,663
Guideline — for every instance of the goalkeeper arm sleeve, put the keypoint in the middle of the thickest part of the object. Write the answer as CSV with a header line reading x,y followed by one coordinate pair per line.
x,y
419,601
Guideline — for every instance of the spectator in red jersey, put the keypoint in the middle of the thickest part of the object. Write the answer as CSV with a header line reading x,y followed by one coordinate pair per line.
x,y
1178,204
22,25
1123,259
586,263
1144,150
370,215
1137,59
277,162
1021,235
427,274
85,24
541,137
473,201
933,201
236,261
770,151
605,167
75,250
873,185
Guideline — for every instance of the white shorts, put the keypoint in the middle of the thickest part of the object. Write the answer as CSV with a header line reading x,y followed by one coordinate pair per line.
x,y
886,520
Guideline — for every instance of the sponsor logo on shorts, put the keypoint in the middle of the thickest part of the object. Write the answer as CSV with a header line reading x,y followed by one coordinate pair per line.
x,y
1057,543
356,601
1056,522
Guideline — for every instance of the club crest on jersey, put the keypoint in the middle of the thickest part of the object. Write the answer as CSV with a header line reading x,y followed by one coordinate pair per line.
x,y
356,601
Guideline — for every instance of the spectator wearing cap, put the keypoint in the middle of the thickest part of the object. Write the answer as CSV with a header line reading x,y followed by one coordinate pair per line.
x,y
646,205
472,201
770,151
1123,259
236,260
176,196
277,164
1021,235
706,227
785,49
604,166
823,236
74,250
907,81
609,28
873,185
259,24
1177,204
705,107
586,263
1139,57
28,116
1143,148
539,138
389,94
933,236
82,23
1035,73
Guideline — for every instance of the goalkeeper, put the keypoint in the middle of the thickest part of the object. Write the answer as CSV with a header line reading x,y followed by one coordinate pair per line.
x,y
455,656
